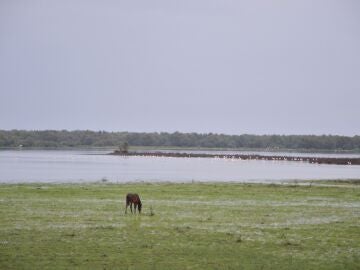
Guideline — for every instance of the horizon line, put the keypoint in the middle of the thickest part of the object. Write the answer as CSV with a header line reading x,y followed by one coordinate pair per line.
x,y
172,132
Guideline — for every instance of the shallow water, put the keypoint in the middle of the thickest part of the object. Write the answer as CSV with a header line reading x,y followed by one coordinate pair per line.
x,y
90,165
265,153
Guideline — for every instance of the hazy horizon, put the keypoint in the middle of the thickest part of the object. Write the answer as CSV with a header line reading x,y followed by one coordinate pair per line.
x,y
231,67
170,132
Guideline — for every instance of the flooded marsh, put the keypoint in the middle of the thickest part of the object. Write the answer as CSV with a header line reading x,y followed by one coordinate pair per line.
x,y
196,226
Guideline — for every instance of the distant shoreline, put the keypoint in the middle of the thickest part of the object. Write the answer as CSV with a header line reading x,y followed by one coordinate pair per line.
x,y
182,148
314,160
88,138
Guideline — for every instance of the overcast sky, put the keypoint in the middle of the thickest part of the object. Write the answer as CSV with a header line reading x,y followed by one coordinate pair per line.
x,y
259,67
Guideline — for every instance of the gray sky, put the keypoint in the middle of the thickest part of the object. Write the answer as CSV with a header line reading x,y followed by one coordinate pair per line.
x,y
260,67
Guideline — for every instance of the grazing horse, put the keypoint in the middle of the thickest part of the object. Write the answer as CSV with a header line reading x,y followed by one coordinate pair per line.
x,y
133,199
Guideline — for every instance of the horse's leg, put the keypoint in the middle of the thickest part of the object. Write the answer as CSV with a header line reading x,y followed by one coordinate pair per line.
x,y
135,206
131,207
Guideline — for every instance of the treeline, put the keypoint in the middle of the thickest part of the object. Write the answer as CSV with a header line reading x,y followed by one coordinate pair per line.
x,y
64,138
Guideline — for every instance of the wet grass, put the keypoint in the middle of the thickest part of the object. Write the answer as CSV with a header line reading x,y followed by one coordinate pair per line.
x,y
183,226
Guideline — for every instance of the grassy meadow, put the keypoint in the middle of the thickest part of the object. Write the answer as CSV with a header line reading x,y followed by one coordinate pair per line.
x,y
183,226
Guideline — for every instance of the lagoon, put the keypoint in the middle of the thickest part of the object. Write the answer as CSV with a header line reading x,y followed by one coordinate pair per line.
x,y
89,165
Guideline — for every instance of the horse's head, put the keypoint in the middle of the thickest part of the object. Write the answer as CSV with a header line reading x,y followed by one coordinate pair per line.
x,y
139,207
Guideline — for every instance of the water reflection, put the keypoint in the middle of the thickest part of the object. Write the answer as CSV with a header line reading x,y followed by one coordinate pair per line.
x,y
84,165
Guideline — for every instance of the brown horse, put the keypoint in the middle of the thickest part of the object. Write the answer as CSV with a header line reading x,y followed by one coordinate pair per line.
x,y
133,199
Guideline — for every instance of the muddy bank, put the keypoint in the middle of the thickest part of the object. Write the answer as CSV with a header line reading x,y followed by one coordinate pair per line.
x,y
314,160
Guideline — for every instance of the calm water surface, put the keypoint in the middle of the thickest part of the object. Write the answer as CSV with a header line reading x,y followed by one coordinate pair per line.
x,y
89,165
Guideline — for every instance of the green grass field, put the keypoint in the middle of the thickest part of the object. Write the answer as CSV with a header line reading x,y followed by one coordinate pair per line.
x,y
190,226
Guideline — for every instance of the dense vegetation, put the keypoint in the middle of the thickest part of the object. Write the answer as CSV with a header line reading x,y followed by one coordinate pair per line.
x,y
64,138
182,226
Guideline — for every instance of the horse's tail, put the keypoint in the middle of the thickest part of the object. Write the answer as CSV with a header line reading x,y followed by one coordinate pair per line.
x,y
127,199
